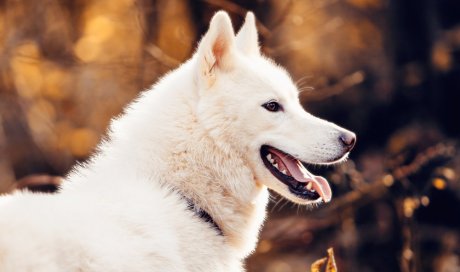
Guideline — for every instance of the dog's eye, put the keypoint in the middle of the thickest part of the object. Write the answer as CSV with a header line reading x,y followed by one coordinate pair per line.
x,y
272,106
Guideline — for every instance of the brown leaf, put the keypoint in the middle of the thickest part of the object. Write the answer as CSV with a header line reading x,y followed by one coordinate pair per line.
x,y
316,266
329,261
331,266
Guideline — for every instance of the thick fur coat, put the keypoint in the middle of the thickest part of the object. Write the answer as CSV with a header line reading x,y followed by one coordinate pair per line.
x,y
194,136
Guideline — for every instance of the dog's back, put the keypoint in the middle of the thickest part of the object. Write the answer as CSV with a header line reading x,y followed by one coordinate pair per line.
x,y
127,229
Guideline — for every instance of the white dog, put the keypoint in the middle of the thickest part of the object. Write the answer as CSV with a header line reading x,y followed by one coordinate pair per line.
x,y
181,182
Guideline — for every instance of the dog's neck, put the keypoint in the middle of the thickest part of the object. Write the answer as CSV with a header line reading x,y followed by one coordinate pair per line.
x,y
221,183
204,216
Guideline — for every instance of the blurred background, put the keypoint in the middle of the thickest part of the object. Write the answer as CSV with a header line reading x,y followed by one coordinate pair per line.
x,y
387,69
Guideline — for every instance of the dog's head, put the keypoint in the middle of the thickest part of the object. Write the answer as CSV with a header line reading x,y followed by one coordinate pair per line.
x,y
251,106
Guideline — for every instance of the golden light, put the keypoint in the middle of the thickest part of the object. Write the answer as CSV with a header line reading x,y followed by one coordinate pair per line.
x,y
409,206
87,49
425,201
82,141
439,183
97,30
441,57
408,254
449,173
25,65
56,83
388,180
264,246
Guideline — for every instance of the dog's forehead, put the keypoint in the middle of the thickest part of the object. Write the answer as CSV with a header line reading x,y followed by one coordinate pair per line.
x,y
277,79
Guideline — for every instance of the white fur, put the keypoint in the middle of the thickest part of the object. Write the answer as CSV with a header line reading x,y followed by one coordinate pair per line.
x,y
196,134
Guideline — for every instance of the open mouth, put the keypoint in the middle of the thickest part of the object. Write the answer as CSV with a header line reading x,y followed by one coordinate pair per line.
x,y
293,173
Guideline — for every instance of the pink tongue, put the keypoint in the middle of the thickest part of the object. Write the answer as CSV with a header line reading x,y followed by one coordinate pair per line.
x,y
301,174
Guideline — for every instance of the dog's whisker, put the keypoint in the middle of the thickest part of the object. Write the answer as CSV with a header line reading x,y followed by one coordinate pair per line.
x,y
276,204
301,80
305,88
285,203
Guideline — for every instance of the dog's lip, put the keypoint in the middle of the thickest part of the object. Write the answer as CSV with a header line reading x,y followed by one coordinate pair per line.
x,y
299,180
337,159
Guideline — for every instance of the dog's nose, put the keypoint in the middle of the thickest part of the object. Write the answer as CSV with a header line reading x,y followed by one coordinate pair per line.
x,y
348,140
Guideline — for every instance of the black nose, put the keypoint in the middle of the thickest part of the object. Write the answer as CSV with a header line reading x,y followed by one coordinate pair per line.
x,y
348,140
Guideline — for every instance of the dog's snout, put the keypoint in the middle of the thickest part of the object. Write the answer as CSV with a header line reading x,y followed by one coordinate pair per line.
x,y
348,139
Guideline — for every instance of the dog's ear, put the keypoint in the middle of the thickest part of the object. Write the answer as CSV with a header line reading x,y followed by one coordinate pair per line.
x,y
216,48
246,39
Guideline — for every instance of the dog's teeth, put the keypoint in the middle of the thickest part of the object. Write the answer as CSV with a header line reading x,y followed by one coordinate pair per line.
x,y
276,165
284,172
272,161
309,185
269,157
